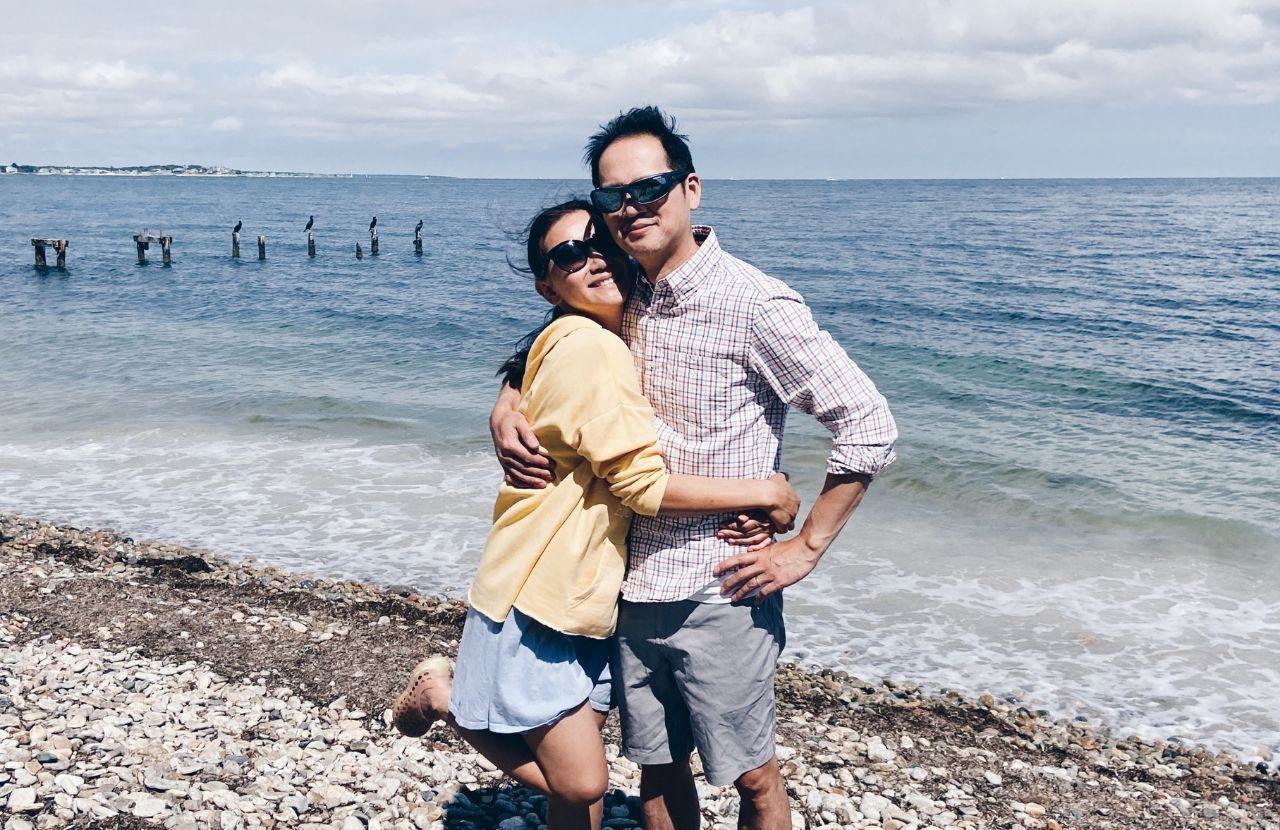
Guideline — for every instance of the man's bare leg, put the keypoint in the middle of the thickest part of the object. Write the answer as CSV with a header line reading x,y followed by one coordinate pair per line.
x,y
764,799
668,797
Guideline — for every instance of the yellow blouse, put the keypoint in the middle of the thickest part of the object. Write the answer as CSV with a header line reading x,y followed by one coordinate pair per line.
x,y
558,554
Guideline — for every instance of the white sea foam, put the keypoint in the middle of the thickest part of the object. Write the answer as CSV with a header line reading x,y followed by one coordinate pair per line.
x,y
390,513
1155,645
1079,623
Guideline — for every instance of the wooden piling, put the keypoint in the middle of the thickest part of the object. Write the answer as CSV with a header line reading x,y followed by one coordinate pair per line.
x,y
417,242
373,241
144,240
311,243
235,244
59,247
359,251
262,247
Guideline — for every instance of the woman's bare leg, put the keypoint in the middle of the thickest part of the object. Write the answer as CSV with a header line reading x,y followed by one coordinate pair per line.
x,y
570,753
519,756
508,753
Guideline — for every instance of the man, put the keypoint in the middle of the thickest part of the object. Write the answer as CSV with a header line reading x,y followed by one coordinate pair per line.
x,y
722,350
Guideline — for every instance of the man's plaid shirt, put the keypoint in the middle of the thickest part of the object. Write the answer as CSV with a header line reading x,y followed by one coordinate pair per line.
x,y
722,350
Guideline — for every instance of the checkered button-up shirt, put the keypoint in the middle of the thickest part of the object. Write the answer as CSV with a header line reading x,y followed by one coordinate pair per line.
x,y
722,350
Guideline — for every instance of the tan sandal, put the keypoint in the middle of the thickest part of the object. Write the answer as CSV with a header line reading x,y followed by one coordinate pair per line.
x,y
410,712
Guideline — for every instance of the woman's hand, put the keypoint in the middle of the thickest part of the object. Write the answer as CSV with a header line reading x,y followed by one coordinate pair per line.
x,y
755,530
752,530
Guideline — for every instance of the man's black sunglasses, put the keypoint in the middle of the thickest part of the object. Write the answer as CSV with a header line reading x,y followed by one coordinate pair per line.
x,y
572,254
642,192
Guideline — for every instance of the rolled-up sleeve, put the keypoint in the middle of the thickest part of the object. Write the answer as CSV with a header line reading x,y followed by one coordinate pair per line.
x,y
604,417
622,448
809,371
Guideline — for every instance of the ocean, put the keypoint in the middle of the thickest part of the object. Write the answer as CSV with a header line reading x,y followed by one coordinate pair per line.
x,y
1085,373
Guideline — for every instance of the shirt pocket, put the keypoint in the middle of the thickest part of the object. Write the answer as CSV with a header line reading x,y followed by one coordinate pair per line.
x,y
707,384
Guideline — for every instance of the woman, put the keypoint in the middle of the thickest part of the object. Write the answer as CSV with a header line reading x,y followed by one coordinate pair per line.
x,y
532,687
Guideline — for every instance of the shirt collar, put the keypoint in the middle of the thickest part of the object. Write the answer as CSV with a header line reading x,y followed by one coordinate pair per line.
x,y
683,281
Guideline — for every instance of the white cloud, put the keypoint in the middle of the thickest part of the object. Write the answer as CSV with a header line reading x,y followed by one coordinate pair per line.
x,y
515,72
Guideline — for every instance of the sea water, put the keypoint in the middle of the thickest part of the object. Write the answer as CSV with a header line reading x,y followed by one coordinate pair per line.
x,y
1086,376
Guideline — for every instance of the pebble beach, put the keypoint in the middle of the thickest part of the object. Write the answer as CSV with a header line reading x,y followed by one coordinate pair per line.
x,y
144,684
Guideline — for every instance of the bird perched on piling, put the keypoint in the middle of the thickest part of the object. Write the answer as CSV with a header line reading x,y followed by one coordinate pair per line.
x,y
239,225
374,223
310,222
418,227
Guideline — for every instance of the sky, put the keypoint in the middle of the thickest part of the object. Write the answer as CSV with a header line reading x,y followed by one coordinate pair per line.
x,y
853,89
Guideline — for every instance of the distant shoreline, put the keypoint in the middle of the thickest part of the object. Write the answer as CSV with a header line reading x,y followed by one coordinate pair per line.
x,y
151,170
219,171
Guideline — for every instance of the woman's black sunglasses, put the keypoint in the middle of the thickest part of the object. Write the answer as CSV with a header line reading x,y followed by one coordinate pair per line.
x,y
642,192
572,254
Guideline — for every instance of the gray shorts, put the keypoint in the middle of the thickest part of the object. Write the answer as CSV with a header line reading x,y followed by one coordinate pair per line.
x,y
698,675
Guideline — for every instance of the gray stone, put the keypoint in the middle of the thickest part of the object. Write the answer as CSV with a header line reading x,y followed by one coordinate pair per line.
x,y
148,807
23,800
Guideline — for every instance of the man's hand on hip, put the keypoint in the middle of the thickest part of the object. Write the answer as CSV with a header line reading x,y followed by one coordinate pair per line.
x,y
767,571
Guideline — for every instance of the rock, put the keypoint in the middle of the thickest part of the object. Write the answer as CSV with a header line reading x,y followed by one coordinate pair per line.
x,y
164,785
23,800
873,806
993,778
69,784
297,803
148,807
513,823
1035,810
878,752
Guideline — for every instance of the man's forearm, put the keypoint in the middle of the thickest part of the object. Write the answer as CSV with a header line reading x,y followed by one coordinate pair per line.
x,y
840,496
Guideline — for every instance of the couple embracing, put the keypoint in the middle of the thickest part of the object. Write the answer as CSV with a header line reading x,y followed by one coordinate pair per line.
x,y
632,561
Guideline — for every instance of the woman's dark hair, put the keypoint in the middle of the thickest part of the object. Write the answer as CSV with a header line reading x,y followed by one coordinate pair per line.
x,y
640,121
512,369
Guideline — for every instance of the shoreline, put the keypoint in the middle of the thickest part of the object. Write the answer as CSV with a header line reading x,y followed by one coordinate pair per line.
x,y
291,673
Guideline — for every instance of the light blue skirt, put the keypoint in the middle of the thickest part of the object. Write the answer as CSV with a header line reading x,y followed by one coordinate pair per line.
x,y
519,674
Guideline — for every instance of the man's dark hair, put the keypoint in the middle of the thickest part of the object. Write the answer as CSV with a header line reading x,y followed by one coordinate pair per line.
x,y
640,121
